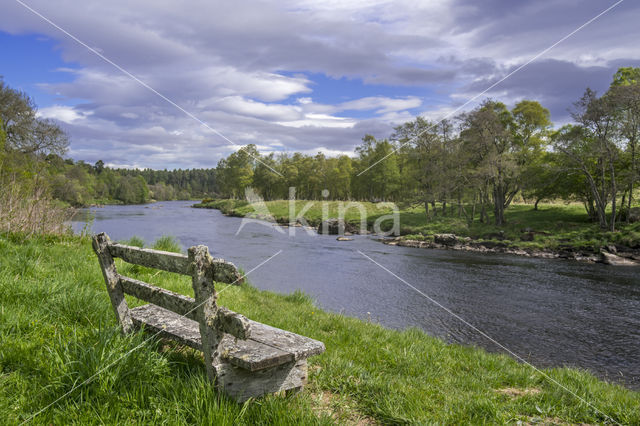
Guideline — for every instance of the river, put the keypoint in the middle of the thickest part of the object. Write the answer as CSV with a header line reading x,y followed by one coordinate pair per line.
x,y
549,312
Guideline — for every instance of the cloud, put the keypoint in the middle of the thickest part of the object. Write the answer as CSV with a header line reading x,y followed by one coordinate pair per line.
x,y
320,120
554,83
251,108
62,113
250,70
381,104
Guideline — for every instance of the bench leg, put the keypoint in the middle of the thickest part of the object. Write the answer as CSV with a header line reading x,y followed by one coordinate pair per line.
x,y
241,384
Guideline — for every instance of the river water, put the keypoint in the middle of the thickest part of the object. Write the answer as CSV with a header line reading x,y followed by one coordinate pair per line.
x,y
549,312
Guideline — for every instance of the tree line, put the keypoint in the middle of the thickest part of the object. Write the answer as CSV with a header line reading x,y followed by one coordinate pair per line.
x,y
79,183
477,163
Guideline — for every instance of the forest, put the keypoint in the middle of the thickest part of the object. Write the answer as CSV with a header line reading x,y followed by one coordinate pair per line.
x,y
80,184
477,163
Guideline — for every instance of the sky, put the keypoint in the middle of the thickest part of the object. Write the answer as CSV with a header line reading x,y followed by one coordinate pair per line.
x,y
306,76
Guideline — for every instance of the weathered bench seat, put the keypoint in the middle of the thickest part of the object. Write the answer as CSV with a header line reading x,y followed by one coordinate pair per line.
x,y
266,347
245,359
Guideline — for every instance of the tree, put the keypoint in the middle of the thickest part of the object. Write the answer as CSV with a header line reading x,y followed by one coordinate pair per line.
x,y
626,76
265,180
488,135
598,119
340,171
583,153
236,171
132,190
99,166
624,95
427,160
377,161
24,131
546,178
531,125
501,145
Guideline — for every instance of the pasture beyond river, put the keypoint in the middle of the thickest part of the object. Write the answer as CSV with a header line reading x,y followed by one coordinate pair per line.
x,y
550,312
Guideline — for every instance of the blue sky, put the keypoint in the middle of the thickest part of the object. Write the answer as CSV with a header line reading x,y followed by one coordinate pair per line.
x,y
34,59
303,76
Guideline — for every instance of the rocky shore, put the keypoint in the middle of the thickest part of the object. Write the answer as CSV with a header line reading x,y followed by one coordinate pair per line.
x,y
611,255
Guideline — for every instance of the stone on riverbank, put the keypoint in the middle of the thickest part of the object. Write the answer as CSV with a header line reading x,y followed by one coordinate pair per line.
x,y
615,260
467,244
335,227
445,239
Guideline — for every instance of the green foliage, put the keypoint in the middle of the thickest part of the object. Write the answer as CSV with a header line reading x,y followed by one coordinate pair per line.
x,y
80,184
132,190
383,181
25,132
167,243
626,76
134,241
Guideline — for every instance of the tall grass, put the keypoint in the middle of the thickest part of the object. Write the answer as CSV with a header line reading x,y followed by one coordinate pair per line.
x,y
25,203
57,330
167,243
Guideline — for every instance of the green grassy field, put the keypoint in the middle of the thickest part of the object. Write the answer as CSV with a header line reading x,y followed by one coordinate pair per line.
x,y
57,330
556,226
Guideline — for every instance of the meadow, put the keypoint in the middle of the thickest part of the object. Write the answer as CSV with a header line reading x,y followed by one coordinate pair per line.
x,y
58,331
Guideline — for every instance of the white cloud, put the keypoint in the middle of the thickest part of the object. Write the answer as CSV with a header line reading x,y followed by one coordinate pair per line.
x,y
381,104
251,108
63,113
321,120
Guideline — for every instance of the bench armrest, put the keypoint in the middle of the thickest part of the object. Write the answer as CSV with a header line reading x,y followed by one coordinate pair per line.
x,y
232,323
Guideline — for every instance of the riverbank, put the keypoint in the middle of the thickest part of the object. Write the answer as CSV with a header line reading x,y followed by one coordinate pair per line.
x,y
99,203
551,231
58,330
609,255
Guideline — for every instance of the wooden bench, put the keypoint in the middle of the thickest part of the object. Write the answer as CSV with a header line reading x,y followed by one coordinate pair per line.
x,y
244,358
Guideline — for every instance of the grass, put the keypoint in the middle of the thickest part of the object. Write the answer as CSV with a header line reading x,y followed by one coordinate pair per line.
x,y
557,226
57,330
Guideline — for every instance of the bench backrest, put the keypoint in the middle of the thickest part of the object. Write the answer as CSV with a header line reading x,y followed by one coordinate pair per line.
x,y
204,271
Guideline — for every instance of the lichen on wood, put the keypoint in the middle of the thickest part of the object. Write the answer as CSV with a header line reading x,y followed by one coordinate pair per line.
x,y
233,323
101,244
167,261
175,302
